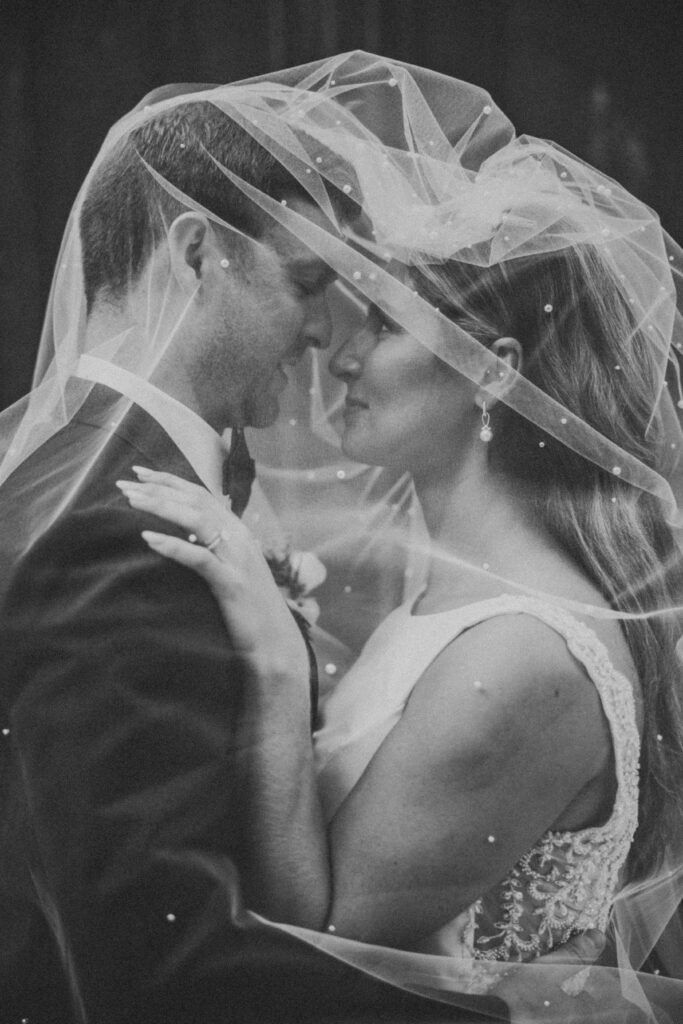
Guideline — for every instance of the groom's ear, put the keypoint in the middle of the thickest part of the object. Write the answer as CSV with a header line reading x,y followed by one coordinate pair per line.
x,y
192,248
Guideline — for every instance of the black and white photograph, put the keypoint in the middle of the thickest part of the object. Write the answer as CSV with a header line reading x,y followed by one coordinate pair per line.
x,y
341,512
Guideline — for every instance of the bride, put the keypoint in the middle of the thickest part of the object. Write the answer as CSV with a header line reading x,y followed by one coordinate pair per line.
x,y
475,782
505,755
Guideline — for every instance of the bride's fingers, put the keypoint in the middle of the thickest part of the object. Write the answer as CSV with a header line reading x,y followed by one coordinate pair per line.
x,y
169,479
196,493
192,556
179,509
179,490
200,499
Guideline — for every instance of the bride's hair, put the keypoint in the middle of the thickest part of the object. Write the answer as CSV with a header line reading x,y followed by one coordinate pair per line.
x,y
581,346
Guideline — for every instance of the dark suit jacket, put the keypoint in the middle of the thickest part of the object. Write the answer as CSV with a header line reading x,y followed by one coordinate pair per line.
x,y
123,806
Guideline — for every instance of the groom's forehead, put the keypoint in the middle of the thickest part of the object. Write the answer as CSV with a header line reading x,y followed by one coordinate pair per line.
x,y
282,237
295,254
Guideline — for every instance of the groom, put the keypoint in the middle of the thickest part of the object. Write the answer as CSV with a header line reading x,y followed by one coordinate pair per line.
x,y
122,690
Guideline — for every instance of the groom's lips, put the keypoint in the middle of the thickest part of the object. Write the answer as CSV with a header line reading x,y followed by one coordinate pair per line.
x,y
294,355
281,378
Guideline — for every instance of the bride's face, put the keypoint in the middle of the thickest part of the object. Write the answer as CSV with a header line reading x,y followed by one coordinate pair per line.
x,y
404,408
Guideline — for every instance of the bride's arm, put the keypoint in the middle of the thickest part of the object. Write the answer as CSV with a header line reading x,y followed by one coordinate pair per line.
x,y
500,737
287,876
461,788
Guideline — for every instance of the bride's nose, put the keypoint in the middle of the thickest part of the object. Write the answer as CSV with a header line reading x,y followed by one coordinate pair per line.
x,y
346,363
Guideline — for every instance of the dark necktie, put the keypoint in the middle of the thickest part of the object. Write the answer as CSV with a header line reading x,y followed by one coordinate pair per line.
x,y
238,472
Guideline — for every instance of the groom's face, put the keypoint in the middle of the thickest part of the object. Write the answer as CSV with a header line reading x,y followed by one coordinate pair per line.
x,y
271,308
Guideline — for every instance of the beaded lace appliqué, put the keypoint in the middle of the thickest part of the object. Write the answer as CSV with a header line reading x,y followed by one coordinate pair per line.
x,y
567,881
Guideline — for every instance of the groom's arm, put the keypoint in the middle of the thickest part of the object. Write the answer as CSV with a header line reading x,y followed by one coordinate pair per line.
x,y
125,703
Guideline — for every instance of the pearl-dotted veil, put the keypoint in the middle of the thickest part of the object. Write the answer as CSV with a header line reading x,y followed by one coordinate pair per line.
x,y
419,172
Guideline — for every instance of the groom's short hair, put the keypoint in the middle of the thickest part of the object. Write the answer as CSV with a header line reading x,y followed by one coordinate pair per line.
x,y
126,211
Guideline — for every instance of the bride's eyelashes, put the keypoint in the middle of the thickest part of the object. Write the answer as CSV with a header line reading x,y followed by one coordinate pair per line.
x,y
307,288
314,281
379,322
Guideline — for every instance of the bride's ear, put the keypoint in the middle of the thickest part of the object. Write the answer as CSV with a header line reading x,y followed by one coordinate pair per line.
x,y
497,382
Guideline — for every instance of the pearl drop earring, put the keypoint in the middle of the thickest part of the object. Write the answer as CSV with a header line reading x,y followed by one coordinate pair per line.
x,y
486,433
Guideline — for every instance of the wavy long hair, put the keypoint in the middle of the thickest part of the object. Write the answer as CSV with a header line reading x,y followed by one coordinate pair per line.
x,y
592,358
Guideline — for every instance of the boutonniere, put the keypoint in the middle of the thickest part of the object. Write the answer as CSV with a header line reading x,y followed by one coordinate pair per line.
x,y
297,573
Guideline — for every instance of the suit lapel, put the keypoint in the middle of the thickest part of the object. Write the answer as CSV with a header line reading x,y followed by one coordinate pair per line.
x,y
135,438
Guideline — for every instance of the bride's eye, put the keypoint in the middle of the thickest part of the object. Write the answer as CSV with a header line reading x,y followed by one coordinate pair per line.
x,y
313,280
308,288
380,323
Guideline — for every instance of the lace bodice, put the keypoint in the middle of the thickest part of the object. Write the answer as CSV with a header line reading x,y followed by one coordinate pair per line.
x,y
567,881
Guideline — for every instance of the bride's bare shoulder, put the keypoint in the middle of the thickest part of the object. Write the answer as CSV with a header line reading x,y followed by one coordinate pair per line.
x,y
510,683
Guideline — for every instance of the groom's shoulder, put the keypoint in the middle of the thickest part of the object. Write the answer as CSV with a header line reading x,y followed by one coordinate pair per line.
x,y
93,548
90,599
63,515
92,568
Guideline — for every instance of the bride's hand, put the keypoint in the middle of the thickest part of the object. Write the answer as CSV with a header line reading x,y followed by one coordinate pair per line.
x,y
229,558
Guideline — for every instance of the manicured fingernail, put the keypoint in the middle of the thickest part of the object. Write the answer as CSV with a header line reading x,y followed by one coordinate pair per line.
x,y
142,472
134,492
153,538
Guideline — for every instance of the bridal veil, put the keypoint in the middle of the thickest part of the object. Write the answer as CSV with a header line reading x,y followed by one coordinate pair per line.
x,y
413,171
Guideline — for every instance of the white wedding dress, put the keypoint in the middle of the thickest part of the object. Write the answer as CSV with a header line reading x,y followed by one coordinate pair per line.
x,y
567,881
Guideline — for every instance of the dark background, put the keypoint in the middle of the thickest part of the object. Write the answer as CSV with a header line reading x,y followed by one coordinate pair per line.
x,y
600,77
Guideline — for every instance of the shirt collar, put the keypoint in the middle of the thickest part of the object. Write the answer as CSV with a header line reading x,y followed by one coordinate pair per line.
x,y
203,448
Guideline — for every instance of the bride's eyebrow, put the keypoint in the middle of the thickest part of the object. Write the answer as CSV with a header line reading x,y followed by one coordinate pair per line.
x,y
313,270
374,310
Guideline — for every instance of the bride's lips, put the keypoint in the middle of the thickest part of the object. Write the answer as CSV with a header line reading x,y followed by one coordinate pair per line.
x,y
352,406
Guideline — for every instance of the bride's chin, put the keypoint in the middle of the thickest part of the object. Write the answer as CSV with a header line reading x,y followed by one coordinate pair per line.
x,y
350,446
354,449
